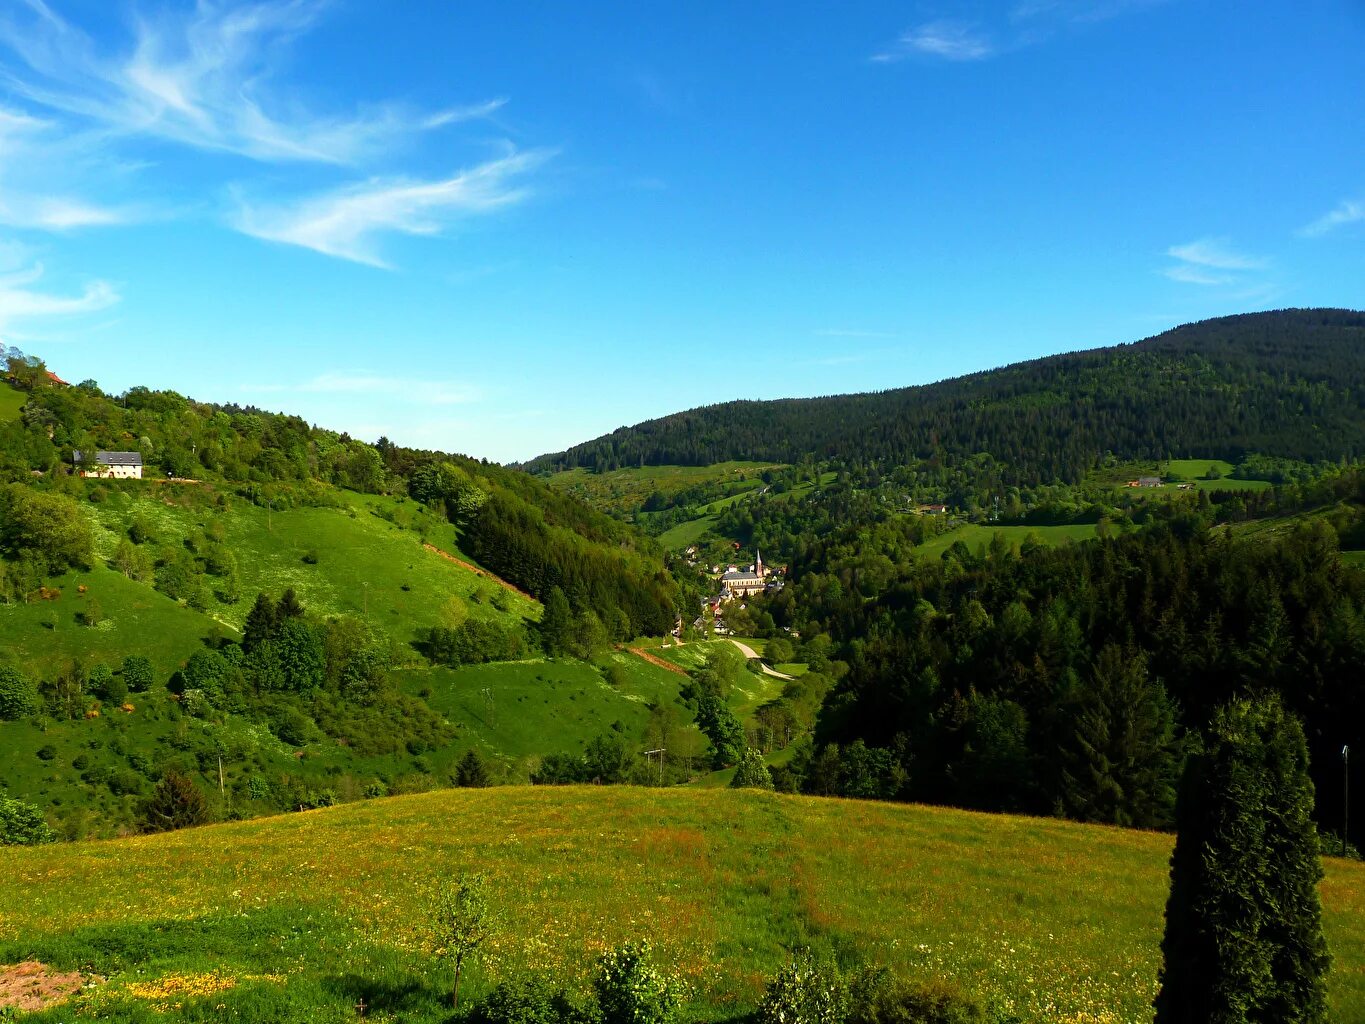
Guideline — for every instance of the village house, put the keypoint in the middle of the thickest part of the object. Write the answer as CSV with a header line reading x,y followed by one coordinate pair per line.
x,y
112,465
1144,481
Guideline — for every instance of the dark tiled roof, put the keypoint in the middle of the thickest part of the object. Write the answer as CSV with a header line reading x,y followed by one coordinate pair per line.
x,y
113,458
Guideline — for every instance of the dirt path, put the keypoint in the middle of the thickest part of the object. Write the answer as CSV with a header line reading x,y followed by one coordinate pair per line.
x,y
654,659
768,670
33,986
476,570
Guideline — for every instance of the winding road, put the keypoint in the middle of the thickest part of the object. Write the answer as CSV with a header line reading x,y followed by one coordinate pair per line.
x,y
768,670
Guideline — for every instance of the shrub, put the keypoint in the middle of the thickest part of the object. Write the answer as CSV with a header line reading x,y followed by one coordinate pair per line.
x,y
294,727
879,998
137,673
47,752
107,686
632,990
804,993
751,772
18,696
530,1000
23,824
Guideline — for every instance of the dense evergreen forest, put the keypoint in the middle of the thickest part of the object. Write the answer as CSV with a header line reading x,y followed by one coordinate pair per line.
x,y
1073,679
515,525
1288,382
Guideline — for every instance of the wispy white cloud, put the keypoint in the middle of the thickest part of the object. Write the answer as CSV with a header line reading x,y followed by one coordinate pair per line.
x,y
203,78
347,222
1349,211
950,40
409,389
1211,262
1027,23
58,213
21,300
1216,253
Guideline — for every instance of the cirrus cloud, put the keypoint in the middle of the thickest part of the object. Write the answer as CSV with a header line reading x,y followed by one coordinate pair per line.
x,y
347,222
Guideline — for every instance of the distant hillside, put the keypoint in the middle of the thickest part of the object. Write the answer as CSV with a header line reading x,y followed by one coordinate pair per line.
x,y
1288,383
293,617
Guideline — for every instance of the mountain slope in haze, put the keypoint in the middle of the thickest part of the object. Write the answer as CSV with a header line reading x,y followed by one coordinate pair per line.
x,y
1288,382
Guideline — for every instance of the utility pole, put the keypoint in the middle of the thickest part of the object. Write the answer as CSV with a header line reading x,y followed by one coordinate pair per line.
x,y
1345,795
365,585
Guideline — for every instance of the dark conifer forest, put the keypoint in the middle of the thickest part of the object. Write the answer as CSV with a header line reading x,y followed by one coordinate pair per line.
x,y
1288,382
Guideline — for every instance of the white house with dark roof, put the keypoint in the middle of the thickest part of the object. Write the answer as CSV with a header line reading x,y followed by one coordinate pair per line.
x,y
112,465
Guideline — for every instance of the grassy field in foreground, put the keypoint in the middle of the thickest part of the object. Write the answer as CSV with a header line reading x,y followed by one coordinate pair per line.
x,y
293,918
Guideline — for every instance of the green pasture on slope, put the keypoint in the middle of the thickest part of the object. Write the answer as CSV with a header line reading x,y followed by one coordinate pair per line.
x,y
521,711
976,536
11,401
682,536
294,918
44,636
366,565
625,490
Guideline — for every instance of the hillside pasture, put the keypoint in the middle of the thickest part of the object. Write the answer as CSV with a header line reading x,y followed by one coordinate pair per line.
x,y
295,918
369,558
626,490
518,712
133,619
11,402
682,536
976,535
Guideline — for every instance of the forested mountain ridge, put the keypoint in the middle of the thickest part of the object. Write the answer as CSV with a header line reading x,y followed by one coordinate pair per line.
x,y
1289,382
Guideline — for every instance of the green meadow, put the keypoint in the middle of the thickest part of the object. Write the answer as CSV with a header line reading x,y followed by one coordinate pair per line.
x,y
11,401
516,712
977,535
369,555
625,490
370,562
682,536
296,918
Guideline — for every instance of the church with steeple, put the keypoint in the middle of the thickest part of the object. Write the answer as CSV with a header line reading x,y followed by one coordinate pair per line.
x,y
737,582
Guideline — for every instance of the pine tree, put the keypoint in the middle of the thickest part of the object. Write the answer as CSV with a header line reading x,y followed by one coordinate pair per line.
x,y
1120,767
1243,940
289,607
556,624
175,803
260,623
471,771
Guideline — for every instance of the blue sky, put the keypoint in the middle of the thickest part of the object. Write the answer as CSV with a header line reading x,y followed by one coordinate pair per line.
x,y
503,228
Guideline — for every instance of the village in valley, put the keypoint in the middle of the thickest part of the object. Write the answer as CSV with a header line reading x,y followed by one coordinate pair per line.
x,y
734,582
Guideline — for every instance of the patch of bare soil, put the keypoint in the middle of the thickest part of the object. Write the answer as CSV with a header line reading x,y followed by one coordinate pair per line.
x,y
34,986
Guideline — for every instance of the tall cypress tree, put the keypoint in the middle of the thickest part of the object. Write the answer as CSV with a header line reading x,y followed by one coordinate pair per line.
x,y
1243,942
